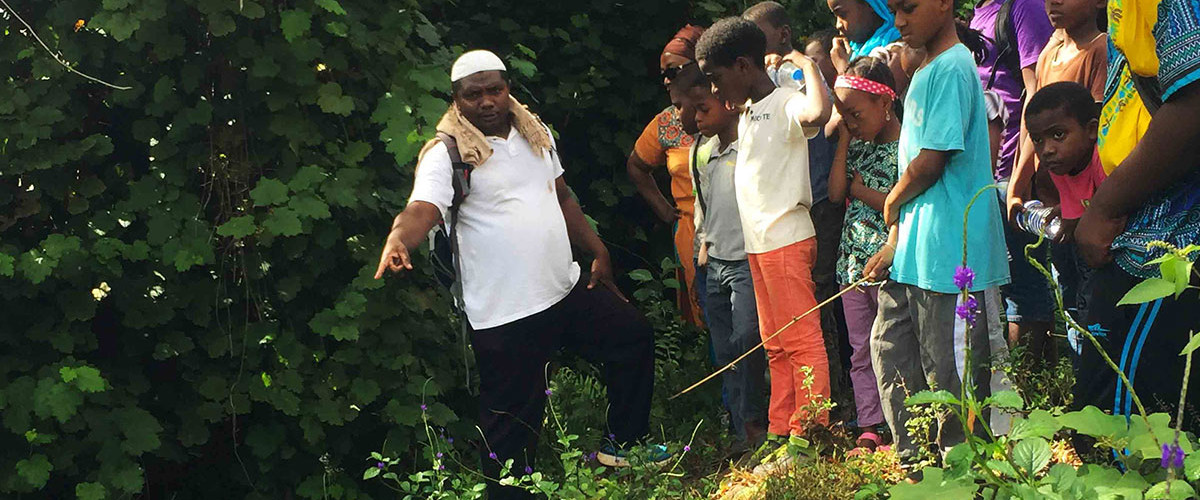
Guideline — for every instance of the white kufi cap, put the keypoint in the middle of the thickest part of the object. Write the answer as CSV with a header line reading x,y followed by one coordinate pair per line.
x,y
473,62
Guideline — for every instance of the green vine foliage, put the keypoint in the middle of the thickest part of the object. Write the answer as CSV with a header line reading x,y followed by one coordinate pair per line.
x,y
185,266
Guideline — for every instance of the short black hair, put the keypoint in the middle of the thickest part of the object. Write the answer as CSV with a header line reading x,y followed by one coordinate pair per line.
x,y
689,76
824,37
731,38
771,12
1071,97
456,85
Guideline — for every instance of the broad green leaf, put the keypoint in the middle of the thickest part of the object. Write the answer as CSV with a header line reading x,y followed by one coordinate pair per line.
x,y
1039,423
85,378
1147,440
52,398
371,472
35,470
1006,399
331,100
237,227
307,205
90,491
1191,345
1174,490
283,221
1032,454
641,275
294,23
1149,290
1191,467
221,24
934,485
929,397
365,390
139,428
269,191
1091,421
344,332
307,178
6,265
332,6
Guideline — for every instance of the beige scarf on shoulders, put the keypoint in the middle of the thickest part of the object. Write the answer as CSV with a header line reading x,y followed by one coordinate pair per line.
x,y
473,145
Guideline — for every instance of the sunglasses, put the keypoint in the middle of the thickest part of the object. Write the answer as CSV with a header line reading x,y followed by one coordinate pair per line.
x,y
673,71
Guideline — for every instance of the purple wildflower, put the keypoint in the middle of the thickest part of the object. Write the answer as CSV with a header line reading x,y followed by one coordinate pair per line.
x,y
380,465
964,277
549,392
450,440
968,310
528,469
439,454
1172,456
687,448
423,407
492,455
592,456
441,467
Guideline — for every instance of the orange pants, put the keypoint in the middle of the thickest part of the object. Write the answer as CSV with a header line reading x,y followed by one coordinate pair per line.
x,y
784,289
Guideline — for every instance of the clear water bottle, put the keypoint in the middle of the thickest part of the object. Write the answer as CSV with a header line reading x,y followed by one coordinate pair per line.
x,y
787,75
1037,218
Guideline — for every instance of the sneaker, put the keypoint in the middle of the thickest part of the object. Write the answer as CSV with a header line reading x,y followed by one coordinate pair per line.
x,y
783,456
611,456
769,447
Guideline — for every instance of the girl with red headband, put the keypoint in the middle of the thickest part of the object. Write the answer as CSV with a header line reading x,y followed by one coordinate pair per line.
x,y
864,170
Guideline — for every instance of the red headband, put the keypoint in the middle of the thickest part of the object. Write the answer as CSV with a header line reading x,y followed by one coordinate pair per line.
x,y
864,84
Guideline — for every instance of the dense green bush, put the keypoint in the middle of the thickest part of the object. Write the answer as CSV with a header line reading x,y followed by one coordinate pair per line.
x,y
186,306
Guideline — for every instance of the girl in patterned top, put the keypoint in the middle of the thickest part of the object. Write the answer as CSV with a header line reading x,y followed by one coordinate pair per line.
x,y
864,170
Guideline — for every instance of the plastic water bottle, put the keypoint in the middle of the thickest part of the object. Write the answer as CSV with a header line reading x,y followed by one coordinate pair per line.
x,y
1036,219
787,75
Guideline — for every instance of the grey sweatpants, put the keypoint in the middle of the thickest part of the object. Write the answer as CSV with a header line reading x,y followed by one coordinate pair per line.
x,y
918,342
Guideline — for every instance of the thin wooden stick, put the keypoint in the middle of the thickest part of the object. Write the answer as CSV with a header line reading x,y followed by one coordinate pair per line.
x,y
794,320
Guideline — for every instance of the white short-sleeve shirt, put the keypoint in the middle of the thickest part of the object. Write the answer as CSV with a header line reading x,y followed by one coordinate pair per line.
x,y
774,191
512,237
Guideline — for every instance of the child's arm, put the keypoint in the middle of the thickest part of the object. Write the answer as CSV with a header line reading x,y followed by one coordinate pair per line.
x,y
880,265
838,183
923,172
859,191
1165,154
814,108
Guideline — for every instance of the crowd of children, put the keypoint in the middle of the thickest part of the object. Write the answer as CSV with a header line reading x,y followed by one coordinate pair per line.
x,y
895,124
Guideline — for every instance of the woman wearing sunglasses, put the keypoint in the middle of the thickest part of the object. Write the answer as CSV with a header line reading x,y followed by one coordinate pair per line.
x,y
666,141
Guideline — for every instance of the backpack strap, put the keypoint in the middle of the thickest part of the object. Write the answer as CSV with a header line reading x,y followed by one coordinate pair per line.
x,y
460,180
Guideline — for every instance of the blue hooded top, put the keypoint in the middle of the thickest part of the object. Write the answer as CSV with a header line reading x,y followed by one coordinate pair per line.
x,y
887,32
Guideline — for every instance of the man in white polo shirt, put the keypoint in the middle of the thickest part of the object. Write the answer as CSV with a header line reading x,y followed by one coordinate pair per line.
x,y
521,288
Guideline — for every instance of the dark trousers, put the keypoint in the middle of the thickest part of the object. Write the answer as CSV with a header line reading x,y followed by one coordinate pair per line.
x,y
1144,340
827,220
513,362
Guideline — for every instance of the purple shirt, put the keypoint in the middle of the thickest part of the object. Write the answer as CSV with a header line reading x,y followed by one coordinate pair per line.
x,y
1033,30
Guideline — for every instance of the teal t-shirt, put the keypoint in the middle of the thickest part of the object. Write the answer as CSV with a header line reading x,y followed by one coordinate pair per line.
x,y
944,111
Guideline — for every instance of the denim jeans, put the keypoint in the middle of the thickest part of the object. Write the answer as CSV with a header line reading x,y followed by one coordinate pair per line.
x,y
733,325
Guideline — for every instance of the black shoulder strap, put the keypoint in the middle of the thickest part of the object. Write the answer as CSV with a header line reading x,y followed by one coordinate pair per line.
x,y
694,155
460,173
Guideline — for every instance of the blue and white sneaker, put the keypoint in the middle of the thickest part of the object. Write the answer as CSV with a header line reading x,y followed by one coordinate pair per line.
x,y
611,456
